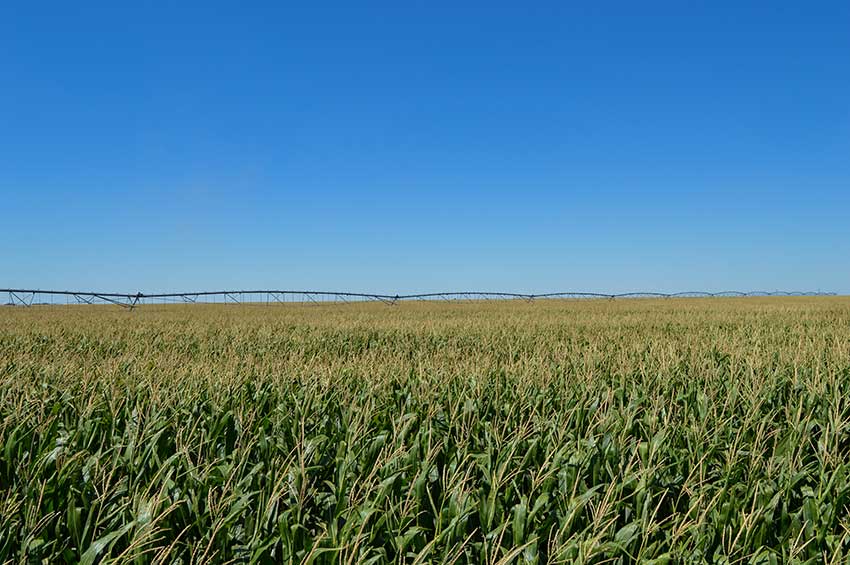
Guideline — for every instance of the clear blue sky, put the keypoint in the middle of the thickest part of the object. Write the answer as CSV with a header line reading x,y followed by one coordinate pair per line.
x,y
406,146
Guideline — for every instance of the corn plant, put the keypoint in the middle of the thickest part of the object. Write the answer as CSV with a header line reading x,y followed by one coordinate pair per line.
x,y
651,431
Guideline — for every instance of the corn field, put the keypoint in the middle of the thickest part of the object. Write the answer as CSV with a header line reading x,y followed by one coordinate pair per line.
x,y
651,431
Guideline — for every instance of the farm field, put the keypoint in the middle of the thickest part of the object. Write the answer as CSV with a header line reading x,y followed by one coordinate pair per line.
x,y
653,431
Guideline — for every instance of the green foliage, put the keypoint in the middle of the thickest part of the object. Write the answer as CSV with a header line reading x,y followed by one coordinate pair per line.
x,y
555,432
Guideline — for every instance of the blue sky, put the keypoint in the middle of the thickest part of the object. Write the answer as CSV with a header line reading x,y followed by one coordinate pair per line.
x,y
416,146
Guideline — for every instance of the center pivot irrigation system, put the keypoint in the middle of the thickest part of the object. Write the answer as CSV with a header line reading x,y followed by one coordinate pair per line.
x,y
30,297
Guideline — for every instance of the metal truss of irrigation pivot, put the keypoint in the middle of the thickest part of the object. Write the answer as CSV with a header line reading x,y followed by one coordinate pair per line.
x,y
30,297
